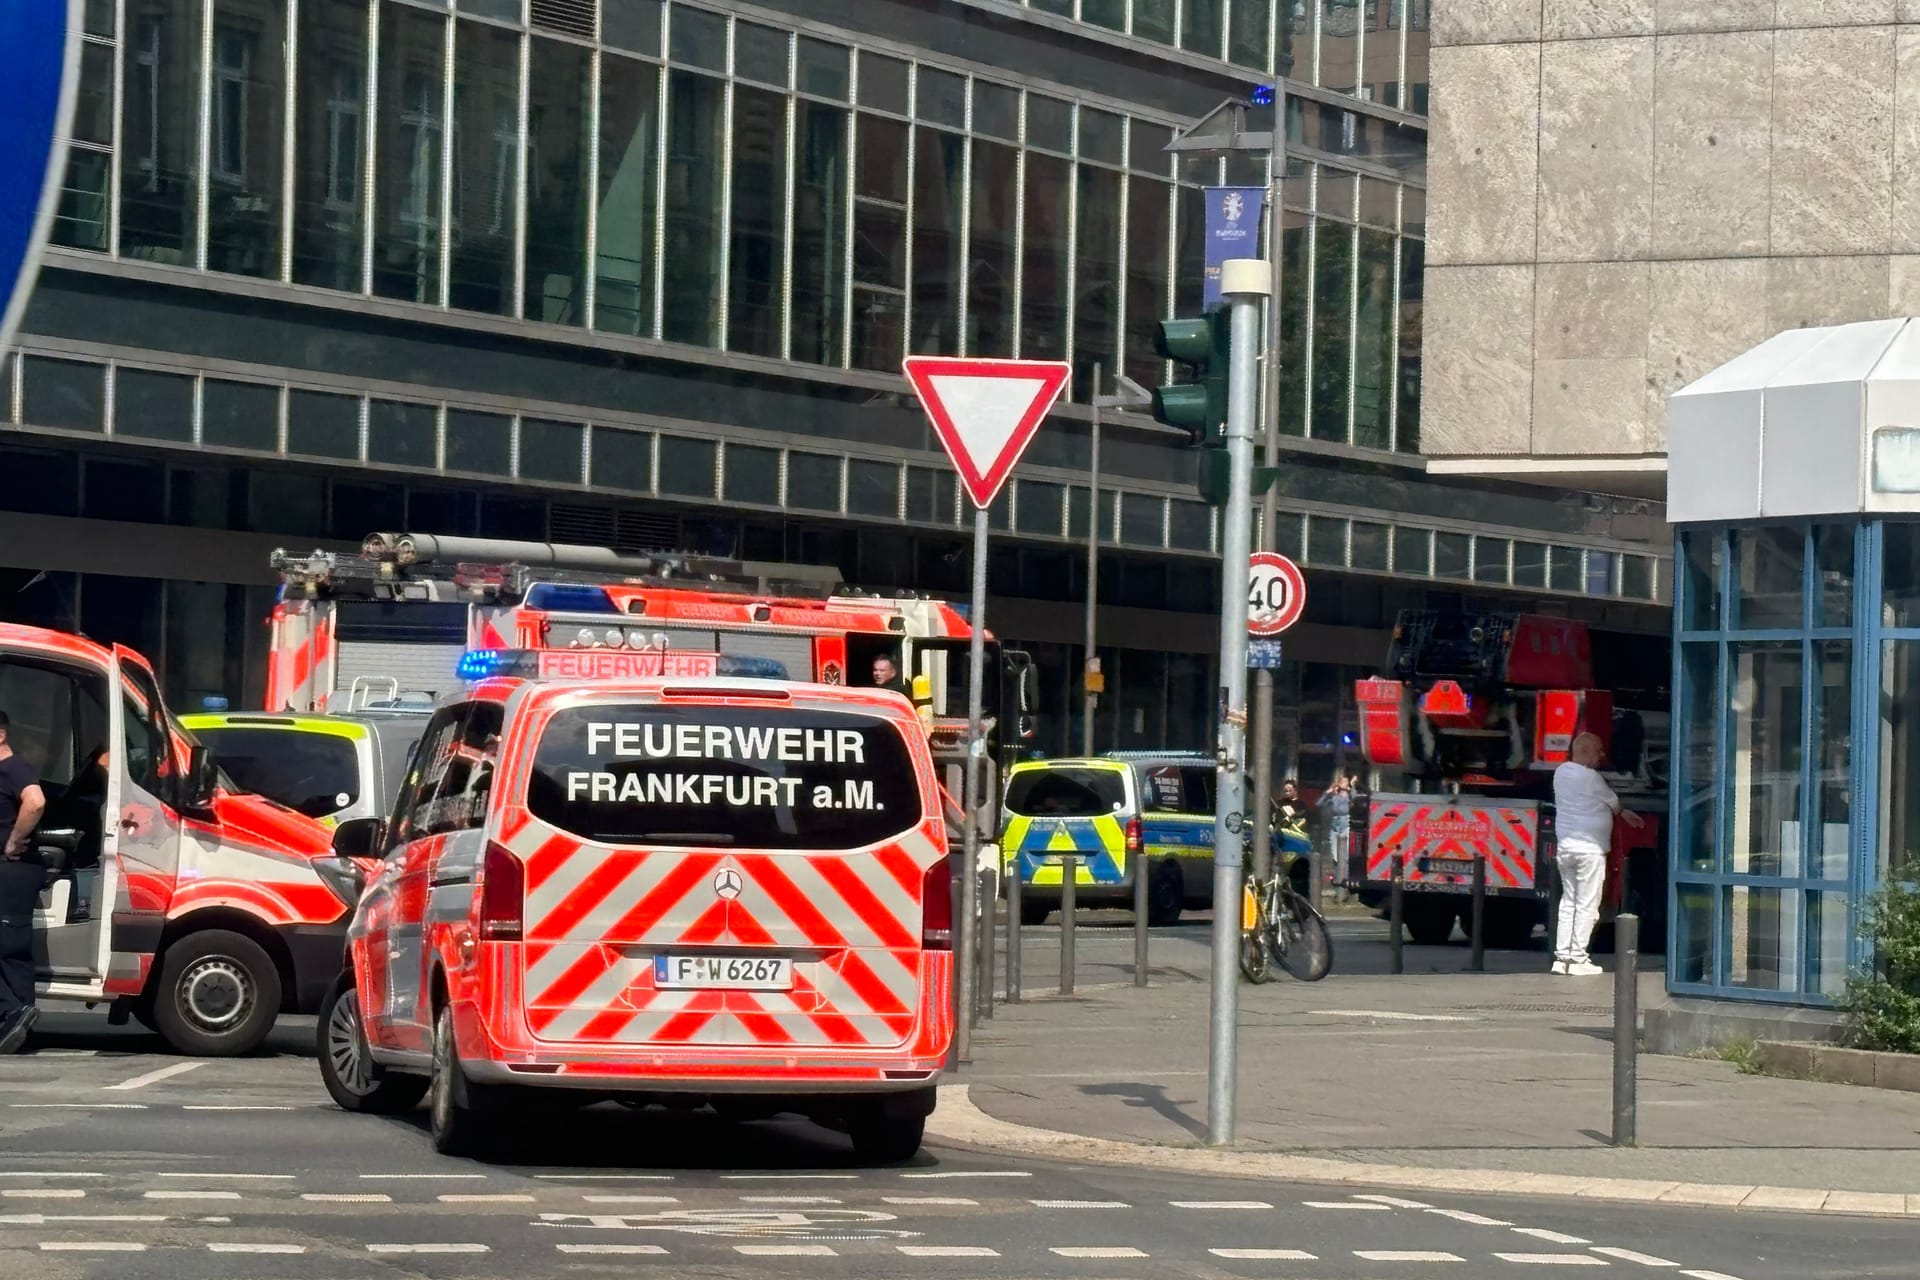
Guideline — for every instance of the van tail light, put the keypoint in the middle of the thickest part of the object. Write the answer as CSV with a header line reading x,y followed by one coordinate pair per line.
x,y
1133,835
503,895
936,907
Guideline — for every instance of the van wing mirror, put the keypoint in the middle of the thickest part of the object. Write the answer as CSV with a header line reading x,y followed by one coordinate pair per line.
x,y
357,838
203,776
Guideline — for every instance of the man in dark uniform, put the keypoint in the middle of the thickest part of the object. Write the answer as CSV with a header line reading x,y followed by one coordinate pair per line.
x,y
886,674
21,878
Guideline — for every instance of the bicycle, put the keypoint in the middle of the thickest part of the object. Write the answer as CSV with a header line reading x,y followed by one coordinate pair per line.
x,y
1279,926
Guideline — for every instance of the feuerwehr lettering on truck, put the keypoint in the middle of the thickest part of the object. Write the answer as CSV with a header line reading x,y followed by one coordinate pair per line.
x,y
692,744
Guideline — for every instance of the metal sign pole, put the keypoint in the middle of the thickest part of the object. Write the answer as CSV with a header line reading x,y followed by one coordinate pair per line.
x,y
969,938
1244,282
1263,677
1093,572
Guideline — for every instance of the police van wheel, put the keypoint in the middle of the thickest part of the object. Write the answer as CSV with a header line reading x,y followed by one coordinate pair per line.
x,y
352,1077
887,1139
451,1118
219,994
1166,895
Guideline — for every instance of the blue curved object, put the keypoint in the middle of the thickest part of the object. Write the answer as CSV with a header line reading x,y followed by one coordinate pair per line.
x,y
39,63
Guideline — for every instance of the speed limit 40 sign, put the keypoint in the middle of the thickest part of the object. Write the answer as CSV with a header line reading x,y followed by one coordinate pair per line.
x,y
1276,593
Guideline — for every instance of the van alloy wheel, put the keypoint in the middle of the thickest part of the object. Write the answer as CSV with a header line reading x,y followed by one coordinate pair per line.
x,y
346,1047
216,993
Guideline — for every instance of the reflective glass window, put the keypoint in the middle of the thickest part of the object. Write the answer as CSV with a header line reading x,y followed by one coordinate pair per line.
x,y
1765,722
486,167
239,415
1696,773
1373,353
1899,737
331,144
991,271
247,139
1189,525
1154,19
824,69
687,466
551,451
879,242
322,425
883,83
698,38
160,138
752,475
1490,559
402,434
153,406
633,25
1326,540
622,459
819,231
479,442
1832,768
623,241
1700,553
1332,328
940,97
1833,575
760,53
1189,249
1636,577
80,220
1096,313
696,177
1111,14
1203,26
1339,44
1450,555
1296,242
1368,545
1600,567
929,495
1102,136
1412,552
755,263
1149,226
813,481
873,489
996,110
63,393
1413,261
559,91
1049,123
1768,588
1692,958
1046,270
939,189
1529,564
1249,28
1143,519
1763,939
1040,507
411,128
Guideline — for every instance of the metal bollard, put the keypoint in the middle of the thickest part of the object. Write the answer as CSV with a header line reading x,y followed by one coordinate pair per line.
x,y
1316,878
984,932
1396,914
1626,1030
1142,873
1069,872
1477,918
1013,934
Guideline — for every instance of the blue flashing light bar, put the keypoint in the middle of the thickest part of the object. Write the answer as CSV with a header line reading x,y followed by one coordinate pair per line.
x,y
1261,95
485,664
567,597
213,703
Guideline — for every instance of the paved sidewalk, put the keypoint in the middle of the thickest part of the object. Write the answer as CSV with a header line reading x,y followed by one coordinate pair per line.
x,y
1501,1071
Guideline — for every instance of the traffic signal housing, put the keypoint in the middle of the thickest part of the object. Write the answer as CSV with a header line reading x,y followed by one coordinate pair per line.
x,y
1197,406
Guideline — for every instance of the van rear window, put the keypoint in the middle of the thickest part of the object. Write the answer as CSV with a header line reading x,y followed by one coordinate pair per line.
x,y
1066,793
734,777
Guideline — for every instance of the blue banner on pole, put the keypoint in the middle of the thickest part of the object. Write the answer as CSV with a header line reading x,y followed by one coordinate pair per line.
x,y
39,54
1233,231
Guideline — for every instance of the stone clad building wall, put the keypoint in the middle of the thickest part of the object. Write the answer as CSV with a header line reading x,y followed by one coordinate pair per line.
x,y
1627,193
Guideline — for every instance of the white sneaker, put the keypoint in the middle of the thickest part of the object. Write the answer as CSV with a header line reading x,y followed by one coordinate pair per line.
x,y
1559,967
1585,969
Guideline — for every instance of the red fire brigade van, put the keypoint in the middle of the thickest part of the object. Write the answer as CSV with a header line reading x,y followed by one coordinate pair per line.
x,y
653,888
204,914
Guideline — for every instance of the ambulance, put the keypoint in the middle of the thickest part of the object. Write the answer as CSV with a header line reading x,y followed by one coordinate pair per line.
x,y
203,913
630,875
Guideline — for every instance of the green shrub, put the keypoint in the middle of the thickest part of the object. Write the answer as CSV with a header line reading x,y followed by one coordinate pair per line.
x,y
1882,1001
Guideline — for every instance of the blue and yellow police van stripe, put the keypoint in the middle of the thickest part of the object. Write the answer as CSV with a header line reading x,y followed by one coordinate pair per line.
x,y
1033,847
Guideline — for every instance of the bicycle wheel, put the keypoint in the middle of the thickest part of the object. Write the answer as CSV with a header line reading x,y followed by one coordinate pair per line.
x,y
1253,939
1301,944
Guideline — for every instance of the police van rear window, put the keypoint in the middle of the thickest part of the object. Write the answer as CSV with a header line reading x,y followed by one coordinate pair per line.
x,y
732,777
1066,793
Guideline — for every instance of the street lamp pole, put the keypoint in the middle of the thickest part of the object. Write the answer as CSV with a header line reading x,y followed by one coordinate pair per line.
x,y
1260,762
1128,395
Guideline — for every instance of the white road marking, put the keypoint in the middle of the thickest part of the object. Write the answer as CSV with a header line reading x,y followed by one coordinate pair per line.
x,y
192,1195
156,1076
256,1248
28,1173
631,1199
1388,1015
44,1193
604,1177
947,1200
79,1106
207,1106
1264,1255
1079,1204
43,1219
650,1250
1708,1275
1628,1255
947,1251
1405,1255
1221,1204
788,1177
347,1197
91,1246
65,1053
1396,1202
1553,1259
1551,1237
1343,1204
968,1173
233,1177
785,1250
428,1248
1097,1251
219,1220
485,1198
451,1177
791,1200
1471,1219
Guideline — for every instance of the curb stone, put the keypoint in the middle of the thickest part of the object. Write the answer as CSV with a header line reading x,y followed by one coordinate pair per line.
x,y
959,1120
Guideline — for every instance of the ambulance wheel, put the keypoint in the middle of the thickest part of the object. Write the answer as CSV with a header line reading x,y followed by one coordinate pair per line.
x,y
218,997
1035,911
352,1077
1430,924
452,1115
886,1139
1166,895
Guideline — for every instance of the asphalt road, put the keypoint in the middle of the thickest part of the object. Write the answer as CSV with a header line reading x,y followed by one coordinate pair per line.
x,y
117,1160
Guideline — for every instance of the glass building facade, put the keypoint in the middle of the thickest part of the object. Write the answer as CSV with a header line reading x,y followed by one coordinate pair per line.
x,y
639,273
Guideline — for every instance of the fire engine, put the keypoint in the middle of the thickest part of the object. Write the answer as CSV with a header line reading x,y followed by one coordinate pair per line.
x,y
203,913
352,630
1475,712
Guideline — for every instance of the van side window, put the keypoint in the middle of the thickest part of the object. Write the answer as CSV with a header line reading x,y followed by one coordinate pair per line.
x,y
462,800
149,749
1198,784
430,760
1162,792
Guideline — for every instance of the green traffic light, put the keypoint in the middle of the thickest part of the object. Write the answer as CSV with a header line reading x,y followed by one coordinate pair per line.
x,y
1198,407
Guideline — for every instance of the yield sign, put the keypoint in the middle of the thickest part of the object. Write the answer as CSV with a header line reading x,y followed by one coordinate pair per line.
x,y
985,412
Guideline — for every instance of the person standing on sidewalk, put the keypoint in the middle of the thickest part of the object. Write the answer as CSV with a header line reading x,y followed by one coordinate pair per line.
x,y
1337,800
1584,807
21,878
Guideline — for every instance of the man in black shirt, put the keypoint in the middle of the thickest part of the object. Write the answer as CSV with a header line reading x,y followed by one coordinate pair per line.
x,y
886,674
21,878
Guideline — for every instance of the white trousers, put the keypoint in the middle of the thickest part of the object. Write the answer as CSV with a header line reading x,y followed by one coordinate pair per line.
x,y
1583,873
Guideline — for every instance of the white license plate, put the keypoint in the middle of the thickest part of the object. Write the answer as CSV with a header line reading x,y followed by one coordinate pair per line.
x,y
1450,867
724,973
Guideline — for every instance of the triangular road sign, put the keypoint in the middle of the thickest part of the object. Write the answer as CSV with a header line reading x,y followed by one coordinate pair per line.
x,y
985,412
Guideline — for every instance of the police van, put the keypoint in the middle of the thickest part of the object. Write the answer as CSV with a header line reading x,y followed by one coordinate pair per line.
x,y
627,875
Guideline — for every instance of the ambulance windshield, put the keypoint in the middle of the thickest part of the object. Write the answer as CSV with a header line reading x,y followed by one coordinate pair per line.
x,y
734,777
1066,793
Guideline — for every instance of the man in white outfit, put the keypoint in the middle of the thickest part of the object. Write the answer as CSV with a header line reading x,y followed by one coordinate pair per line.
x,y
1583,811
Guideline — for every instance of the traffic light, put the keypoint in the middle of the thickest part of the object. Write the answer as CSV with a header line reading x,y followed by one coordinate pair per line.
x,y
1199,406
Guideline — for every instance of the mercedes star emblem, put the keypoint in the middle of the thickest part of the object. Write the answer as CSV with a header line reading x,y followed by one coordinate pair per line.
x,y
727,884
